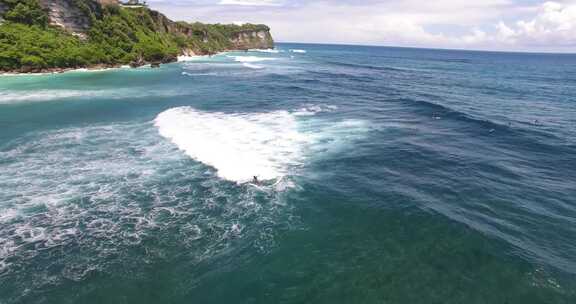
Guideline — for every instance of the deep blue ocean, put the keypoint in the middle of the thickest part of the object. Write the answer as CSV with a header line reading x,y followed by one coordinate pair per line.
x,y
386,175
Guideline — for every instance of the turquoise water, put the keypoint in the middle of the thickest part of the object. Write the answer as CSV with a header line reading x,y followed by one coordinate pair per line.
x,y
389,175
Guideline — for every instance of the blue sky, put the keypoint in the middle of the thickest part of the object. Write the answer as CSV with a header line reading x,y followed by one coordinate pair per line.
x,y
522,25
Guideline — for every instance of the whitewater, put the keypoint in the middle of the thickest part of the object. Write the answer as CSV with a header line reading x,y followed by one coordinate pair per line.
x,y
386,175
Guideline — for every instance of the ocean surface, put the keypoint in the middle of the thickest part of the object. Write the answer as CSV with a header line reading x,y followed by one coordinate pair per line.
x,y
388,175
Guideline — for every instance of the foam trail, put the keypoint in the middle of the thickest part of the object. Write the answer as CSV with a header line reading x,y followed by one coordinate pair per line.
x,y
312,109
30,96
268,145
238,146
103,189
252,66
272,51
190,58
249,59
298,51
8,97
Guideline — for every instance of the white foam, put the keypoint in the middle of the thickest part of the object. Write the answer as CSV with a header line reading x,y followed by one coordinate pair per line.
x,y
102,189
30,96
268,145
313,109
251,58
7,97
190,58
271,51
8,74
238,146
298,51
85,70
7,215
252,66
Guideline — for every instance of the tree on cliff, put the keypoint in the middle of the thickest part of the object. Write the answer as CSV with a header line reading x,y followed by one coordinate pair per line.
x,y
28,12
116,36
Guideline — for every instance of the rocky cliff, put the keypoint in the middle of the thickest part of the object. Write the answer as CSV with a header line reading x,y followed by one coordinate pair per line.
x,y
76,17
48,35
256,39
72,15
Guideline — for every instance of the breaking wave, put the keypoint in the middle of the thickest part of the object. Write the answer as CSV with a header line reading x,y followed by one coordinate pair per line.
x,y
267,145
21,97
272,51
98,192
183,58
248,59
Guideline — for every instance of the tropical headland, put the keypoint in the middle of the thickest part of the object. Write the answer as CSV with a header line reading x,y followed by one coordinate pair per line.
x,y
39,36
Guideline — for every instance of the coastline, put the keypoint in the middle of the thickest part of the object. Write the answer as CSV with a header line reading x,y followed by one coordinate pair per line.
x,y
52,71
108,67
56,71
185,56
95,67
50,45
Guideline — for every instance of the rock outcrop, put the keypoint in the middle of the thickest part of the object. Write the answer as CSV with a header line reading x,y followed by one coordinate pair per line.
x,y
245,40
75,17
108,34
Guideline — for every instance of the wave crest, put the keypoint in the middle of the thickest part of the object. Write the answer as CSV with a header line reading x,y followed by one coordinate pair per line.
x,y
267,145
239,146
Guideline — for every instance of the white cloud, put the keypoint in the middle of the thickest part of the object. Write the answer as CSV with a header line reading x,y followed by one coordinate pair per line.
x,y
553,27
554,24
487,24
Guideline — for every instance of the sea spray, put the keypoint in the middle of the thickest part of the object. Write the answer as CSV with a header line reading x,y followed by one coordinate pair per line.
x,y
268,145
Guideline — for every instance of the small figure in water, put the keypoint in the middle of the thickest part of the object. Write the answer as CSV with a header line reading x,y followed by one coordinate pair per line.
x,y
255,180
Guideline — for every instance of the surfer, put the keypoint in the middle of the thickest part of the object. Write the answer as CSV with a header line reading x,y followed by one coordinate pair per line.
x,y
255,180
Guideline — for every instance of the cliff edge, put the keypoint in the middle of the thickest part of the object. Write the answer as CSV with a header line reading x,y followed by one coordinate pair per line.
x,y
52,35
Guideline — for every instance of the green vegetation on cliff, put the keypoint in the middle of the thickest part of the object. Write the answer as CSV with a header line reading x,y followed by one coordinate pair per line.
x,y
116,36
26,11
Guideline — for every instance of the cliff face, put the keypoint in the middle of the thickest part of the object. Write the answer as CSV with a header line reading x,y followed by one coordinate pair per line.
x,y
70,15
245,40
75,17
55,35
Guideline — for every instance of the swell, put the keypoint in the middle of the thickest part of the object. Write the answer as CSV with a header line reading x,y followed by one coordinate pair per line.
x,y
363,66
518,199
511,183
524,131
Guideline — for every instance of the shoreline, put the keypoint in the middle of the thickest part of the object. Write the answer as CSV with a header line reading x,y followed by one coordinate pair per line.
x,y
56,71
108,67
99,67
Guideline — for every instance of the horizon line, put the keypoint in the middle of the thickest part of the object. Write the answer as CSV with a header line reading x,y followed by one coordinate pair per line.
x,y
436,48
